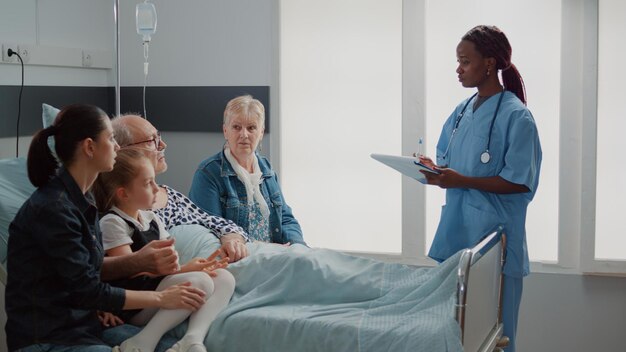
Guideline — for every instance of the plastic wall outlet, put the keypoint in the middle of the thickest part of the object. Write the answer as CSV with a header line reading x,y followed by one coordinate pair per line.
x,y
87,58
24,51
5,52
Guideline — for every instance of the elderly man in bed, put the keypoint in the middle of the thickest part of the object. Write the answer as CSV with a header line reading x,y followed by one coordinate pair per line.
x,y
172,206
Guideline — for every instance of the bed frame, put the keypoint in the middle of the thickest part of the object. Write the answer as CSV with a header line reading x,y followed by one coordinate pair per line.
x,y
478,310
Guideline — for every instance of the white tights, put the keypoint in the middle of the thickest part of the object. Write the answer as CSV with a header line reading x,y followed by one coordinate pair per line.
x,y
218,290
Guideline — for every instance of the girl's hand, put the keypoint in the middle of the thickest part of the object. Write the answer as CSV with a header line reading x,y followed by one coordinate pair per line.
x,y
216,264
181,296
109,319
209,265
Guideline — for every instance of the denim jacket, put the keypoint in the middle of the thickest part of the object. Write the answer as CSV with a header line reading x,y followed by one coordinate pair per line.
x,y
217,190
54,258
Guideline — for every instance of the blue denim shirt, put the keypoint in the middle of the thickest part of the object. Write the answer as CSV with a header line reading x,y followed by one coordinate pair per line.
x,y
54,258
217,190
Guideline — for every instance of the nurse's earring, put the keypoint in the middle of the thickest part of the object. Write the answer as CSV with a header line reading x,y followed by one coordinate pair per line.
x,y
488,71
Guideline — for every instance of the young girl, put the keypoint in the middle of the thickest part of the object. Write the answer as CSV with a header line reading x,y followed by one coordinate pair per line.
x,y
125,194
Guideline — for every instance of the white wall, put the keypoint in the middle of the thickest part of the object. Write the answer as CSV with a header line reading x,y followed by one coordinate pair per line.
x,y
59,23
202,43
572,313
356,73
197,43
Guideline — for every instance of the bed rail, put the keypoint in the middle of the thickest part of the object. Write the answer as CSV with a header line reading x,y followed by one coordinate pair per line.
x,y
478,311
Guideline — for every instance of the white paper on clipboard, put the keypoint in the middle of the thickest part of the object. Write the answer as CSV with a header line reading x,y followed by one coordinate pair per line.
x,y
406,165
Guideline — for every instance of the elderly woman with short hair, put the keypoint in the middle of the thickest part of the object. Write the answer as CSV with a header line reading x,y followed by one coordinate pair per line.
x,y
240,185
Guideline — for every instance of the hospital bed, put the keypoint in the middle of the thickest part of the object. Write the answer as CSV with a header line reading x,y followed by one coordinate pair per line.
x,y
300,299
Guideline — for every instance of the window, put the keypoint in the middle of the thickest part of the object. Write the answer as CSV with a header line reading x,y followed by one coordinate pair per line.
x,y
340,101
610,230
339,65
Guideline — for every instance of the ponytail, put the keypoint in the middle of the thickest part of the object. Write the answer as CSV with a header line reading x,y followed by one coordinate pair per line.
x,y
73,124
41,163
513,82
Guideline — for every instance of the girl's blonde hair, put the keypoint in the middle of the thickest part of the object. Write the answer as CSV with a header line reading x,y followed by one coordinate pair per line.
x,y
125,170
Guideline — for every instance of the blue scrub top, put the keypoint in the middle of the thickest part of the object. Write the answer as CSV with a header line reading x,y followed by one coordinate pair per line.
x,y
469,214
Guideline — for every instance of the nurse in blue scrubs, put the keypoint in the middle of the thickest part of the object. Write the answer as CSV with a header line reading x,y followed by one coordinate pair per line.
x,y
489,158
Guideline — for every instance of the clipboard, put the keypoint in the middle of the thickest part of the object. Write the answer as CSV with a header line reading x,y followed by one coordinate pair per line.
x,y
406,165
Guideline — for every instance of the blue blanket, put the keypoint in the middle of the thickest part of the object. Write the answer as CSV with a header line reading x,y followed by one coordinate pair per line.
x,y
300,299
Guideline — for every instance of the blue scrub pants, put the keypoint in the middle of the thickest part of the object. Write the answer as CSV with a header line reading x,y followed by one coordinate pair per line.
x,y
512,296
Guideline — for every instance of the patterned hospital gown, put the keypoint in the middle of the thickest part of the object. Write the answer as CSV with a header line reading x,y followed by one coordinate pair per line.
x,y
180,210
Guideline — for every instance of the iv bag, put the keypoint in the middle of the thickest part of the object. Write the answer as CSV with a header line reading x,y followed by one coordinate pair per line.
x,y
146,17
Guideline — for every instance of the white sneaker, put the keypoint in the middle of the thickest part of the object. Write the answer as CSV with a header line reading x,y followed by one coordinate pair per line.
x,y
126,347
184,345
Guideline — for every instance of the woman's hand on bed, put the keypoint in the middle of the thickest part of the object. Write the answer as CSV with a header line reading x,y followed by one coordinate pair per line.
x,y
109,319
234,246
181,296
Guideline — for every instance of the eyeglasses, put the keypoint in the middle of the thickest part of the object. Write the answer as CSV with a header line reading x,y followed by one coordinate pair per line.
x,y
156,140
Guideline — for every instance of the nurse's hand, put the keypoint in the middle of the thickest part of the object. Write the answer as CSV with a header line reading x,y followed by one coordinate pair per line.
x,y
447,178
427,161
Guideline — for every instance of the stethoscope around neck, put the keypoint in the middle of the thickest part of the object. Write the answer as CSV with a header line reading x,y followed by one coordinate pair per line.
x,y
485,156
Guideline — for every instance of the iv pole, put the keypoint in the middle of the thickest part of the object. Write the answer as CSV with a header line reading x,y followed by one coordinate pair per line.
x,y
116,10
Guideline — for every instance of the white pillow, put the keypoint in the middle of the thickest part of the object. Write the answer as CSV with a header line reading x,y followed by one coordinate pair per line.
x,y
194,241
15,188
49,113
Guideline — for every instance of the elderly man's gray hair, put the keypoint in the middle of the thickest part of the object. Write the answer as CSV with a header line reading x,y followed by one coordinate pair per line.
x,y
122,134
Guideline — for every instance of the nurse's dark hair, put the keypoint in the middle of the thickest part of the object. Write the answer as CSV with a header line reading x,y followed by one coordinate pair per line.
x,y
490,41
72,125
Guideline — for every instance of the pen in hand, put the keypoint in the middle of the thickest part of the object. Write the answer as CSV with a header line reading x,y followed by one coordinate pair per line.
x,y
419,148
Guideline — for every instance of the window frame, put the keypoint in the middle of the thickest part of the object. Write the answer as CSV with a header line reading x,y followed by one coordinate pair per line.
x,y
591,34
